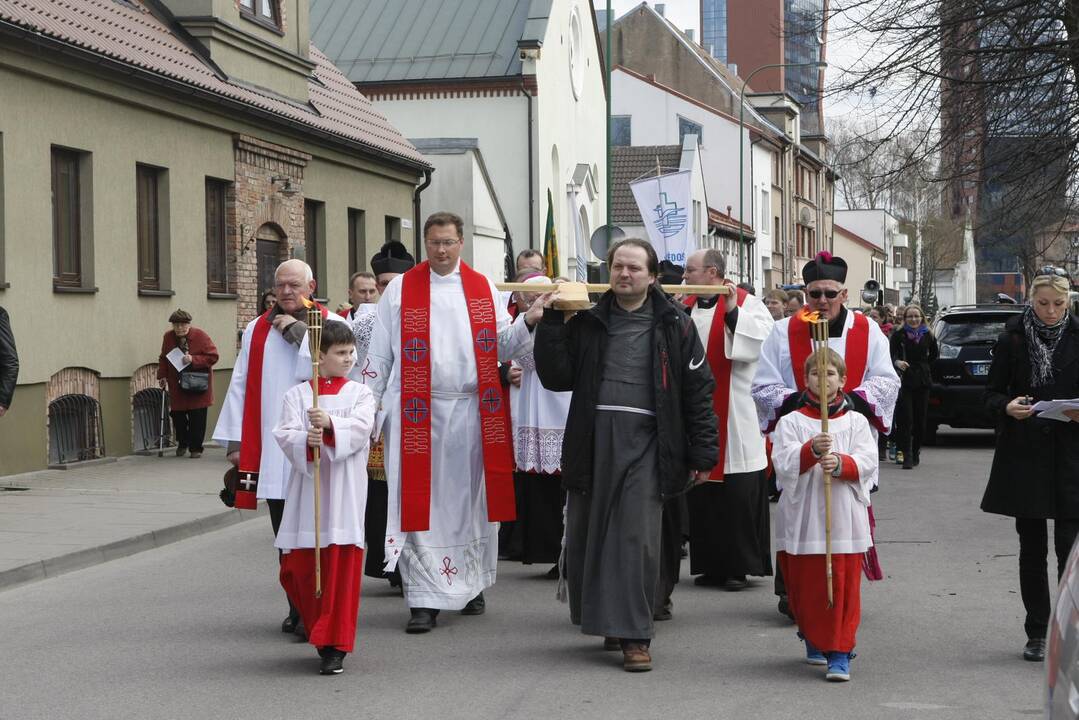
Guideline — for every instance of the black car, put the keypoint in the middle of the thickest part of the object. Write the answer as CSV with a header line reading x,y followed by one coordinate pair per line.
x,y
966,335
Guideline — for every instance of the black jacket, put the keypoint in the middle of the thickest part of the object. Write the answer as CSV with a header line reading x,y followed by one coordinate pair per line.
x,y
1035,470
9,360
569,357
918,354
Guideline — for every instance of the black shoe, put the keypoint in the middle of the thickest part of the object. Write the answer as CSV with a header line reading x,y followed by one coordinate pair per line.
x,y
736,583
1034,650
288,625
181,451
422,620
664,613
908,463
332,661
475,606
709,580
300,632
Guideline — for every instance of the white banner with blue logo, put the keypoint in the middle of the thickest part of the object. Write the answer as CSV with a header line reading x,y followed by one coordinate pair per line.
x,y
665,204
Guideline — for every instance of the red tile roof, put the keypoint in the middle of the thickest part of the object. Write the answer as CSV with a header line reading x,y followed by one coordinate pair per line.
x,y
128,32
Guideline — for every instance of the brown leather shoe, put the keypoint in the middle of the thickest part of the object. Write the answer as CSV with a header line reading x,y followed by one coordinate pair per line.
x,y
611,644
636,658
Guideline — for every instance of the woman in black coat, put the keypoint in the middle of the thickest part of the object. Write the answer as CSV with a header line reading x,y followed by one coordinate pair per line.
x,y
1035,473
913,349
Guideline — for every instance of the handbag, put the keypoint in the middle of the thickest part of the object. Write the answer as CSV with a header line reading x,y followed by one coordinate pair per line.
x,y
195,382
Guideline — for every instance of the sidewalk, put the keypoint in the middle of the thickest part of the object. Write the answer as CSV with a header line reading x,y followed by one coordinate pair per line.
x,y
57,521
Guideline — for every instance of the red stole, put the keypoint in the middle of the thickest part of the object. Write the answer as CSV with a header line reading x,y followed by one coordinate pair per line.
x,y
856,350
251,430
721,370
416,398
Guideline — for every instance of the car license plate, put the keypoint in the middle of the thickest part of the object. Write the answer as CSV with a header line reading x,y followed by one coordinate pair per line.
x,y
979,369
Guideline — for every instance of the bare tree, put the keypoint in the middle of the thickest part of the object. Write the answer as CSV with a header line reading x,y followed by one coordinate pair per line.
x,y
984,91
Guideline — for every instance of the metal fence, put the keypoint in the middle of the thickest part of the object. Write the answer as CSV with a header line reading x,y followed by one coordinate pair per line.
x,y
148,407
75,431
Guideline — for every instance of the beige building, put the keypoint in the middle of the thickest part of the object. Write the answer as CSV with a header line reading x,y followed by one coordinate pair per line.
x,y
167,154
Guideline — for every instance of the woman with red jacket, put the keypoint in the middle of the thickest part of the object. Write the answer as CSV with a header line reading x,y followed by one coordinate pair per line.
x,y
187,400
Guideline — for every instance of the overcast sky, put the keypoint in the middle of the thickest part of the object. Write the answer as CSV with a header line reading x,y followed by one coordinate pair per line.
x,y
686,15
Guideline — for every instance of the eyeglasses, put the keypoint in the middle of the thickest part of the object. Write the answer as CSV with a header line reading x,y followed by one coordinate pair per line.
x,y
442,243
1051,270
830,294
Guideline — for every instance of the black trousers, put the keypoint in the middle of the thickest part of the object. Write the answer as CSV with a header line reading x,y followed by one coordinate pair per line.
x,y
277,511
910,410
1033,574
190,428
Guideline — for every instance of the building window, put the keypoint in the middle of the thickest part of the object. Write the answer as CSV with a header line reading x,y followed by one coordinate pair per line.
x,y
766,211
75,432
314,237
357,241
393,229
688,127
263,10
70,219
621,130
217,269
150,215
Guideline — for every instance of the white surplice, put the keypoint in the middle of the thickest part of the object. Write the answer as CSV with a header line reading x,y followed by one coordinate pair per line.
x,y
452,562
342,470
742,346
774,380
283,366
539,421
799,516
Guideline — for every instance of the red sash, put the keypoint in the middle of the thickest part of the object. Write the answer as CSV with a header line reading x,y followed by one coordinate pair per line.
x,y
721,370
856,350
251,430
416,398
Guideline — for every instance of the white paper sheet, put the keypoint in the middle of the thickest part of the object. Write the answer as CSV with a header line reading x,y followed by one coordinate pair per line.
x,y
176,357
1054,409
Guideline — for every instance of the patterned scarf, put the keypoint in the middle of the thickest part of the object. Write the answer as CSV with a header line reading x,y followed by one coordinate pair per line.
x,y
1042,341
915,335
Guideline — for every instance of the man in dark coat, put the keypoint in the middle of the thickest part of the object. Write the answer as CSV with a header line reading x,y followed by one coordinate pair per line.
x,y
9,363
1035,473
640,431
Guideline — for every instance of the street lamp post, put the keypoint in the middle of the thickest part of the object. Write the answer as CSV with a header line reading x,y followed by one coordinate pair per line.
x,y
742,152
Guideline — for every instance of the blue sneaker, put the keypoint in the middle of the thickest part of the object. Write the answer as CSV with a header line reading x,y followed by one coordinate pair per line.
x,y
814,656
838,667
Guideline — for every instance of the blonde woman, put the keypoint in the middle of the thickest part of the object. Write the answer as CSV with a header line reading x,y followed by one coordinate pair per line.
x,y
1035,474
913,349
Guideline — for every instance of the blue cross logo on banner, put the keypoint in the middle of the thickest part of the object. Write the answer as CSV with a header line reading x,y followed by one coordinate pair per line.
x,y
491,400
415,350
416,411
670,218
486,340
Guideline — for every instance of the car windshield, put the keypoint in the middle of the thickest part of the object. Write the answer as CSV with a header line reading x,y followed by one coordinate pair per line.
x,y
972,329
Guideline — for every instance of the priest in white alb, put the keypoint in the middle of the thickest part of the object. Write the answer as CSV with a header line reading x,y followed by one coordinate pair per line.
x,y
729,533
274,356
440,330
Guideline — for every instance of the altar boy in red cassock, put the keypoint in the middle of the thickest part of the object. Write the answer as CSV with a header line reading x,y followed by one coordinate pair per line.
x,y
341,427
802,454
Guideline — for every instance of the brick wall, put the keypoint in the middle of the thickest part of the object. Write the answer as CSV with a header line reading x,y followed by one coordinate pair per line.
x,y
254,202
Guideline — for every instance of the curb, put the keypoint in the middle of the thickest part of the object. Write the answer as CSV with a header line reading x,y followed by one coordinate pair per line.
x,y
82,559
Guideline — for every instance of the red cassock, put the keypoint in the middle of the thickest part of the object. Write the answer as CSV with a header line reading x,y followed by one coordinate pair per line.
x,y
330,619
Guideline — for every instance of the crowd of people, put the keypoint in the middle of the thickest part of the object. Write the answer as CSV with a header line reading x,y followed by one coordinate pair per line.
x,y
457,425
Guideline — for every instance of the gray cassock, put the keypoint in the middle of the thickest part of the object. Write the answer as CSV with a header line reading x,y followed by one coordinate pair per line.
x,y
613,533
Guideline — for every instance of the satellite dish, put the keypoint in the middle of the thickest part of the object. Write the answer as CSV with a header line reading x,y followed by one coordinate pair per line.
x,y
598,242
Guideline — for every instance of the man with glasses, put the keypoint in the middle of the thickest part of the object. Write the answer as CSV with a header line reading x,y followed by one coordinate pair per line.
x,y
440,330
872,385
729,534
274,357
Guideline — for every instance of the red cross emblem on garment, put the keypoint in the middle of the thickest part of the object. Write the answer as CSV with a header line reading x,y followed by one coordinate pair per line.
x,y
486,340
491,400
415,350
447,570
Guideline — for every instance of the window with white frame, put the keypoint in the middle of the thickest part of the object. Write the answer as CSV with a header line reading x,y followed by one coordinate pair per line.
x,y
766,211
265,10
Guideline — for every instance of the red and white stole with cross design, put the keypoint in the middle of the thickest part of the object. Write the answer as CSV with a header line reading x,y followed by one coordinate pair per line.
x,y
416,398
855,353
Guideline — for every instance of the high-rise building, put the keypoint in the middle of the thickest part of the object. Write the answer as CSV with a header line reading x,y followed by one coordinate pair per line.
x,y
773,32
714,28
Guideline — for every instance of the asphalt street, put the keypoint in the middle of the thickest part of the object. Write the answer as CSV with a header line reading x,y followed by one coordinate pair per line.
x,y
191,630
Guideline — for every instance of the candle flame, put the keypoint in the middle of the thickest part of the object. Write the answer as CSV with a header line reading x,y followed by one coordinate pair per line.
x,y
809,316
307,303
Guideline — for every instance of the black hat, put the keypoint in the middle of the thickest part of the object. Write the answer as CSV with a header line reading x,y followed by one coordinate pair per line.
x,y
392,258
180,316
825,267
669,273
